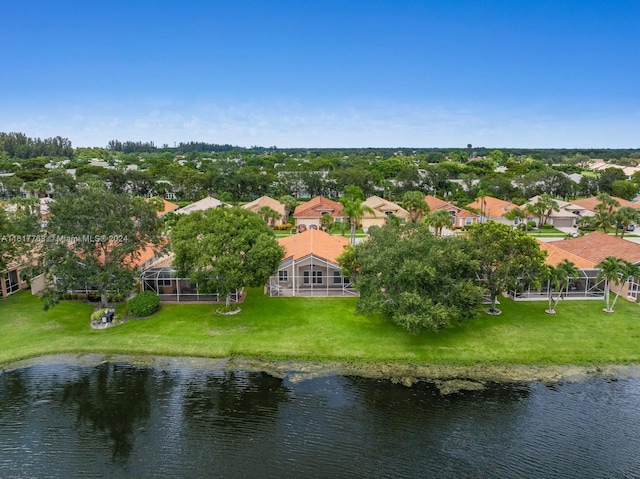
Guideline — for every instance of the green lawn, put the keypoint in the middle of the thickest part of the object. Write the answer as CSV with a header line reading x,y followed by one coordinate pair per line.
x,y
326,329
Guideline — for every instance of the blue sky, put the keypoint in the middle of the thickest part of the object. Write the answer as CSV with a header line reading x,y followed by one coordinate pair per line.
x,y
402,73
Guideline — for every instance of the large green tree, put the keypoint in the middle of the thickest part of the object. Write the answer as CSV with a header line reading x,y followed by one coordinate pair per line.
x,y
506,258
414,278
94,238
223,249
19,232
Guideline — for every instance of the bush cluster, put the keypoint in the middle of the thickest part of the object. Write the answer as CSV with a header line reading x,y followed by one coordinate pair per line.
x,y
144,304
285,226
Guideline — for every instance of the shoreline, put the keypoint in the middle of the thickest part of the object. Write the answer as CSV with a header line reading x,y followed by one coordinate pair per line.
x,y
448,378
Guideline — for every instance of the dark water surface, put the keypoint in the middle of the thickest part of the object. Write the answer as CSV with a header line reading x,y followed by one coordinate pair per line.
x,y
119,420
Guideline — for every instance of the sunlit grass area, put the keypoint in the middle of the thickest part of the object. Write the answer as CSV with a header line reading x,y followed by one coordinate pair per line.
x,y
328,329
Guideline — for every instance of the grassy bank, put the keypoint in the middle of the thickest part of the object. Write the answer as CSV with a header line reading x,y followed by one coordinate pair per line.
x,y
328,329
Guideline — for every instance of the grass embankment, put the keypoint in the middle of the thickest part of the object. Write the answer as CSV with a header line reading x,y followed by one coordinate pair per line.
x,y
325,329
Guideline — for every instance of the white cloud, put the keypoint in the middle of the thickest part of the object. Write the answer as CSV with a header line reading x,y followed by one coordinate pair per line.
x,y
290,124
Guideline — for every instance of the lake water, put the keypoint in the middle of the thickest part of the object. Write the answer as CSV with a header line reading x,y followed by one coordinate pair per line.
x,y
179,421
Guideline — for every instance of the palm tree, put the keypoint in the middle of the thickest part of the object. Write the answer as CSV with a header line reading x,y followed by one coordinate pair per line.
x,y
546,204
624,217
414,203
439,220
560,277
514,214
603,220
353,207
326,220
290,204
611,269
630,270
607,203
268,215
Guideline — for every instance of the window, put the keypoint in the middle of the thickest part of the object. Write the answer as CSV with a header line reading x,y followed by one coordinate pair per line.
x,y
337,278
316,277
468,221
283,275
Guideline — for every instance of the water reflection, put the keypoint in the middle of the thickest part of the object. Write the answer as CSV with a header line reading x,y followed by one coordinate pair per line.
x,y
111,399
234,398
119,420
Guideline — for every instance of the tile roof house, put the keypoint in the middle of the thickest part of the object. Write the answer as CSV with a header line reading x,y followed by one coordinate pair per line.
x,y
201,205
492,209
460,216
596,246
310,212
275,205
585,253
309,266
382,209
567,215
590,204
167,206
161,278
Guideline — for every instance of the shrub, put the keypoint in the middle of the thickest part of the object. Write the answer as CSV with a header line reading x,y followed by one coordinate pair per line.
x,y
144,304
96,316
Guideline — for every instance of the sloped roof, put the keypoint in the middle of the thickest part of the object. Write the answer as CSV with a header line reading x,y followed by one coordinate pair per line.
x,y
315,207
438,204
556,255
596,246
167,206
255,205
492,207
381,207
590,203
200,205
316,242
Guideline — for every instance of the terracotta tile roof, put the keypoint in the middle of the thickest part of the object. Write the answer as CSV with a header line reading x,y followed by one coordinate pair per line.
x,y
316,206
167,206
316,242
596,246
492,207
438,204
434,203
590,203
255,205
555,256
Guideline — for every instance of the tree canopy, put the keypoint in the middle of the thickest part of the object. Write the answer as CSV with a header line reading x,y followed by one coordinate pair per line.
x,y
223,249
414,278
507,258
93,239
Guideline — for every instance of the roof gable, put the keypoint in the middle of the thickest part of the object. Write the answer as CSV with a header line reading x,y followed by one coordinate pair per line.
x,y
492,207
382,208
315,207
275,205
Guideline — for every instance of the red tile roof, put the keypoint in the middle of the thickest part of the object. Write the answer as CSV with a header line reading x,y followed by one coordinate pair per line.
x,y
596,246
438,204
591,203
492,207
316,242
316,206
556,255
